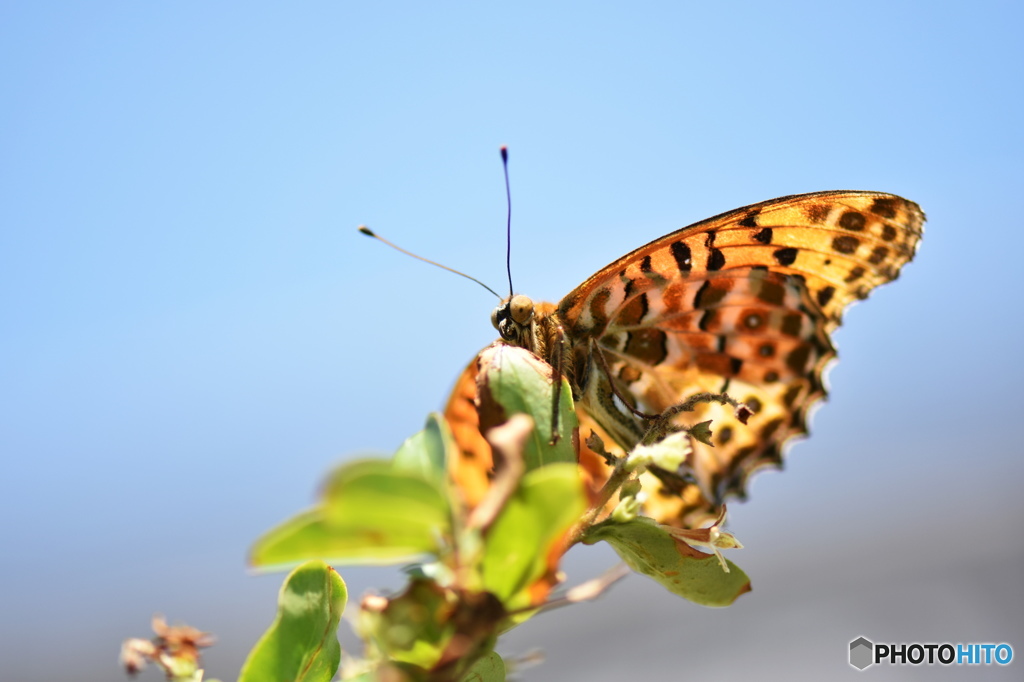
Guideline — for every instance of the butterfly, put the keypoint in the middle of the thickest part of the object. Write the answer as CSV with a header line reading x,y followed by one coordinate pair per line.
x,y
742,303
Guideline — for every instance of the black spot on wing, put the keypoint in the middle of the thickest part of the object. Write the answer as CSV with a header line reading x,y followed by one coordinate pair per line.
x,y
852,221
684,258
797,358
817,213
792,324
716,259
648,345
785,256
708,295
709,318
628,282
771,292
856,273
645,265
878,254
825,295
845,244
885,207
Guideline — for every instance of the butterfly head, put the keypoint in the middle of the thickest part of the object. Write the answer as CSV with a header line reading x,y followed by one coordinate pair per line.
x,y
513,317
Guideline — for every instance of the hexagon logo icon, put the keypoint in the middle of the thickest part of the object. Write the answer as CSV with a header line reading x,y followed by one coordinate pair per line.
x,y
861,653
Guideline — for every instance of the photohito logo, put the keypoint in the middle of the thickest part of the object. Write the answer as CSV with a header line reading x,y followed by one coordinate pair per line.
x,y
864,652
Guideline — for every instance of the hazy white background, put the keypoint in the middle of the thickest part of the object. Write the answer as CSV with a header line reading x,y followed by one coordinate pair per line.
x,y
192,332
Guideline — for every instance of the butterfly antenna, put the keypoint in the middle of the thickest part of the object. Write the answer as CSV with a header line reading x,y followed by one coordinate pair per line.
x,y
508,224
370,233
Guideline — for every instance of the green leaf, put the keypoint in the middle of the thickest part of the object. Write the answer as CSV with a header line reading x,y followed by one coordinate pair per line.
x,y
516,381
372,497
682,570
370,514
308,536
490,668
427,452
517,548
301,644
702,431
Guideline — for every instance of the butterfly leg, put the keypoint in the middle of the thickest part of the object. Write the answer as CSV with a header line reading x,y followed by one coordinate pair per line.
x,y
557,340
556,395
660,425
602,363
558,348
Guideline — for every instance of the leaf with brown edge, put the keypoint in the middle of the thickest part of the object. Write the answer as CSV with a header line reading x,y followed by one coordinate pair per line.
x,y
681,569
499,382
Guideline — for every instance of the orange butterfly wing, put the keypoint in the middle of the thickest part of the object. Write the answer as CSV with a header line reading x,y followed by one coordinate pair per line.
x,y
472,468
743,302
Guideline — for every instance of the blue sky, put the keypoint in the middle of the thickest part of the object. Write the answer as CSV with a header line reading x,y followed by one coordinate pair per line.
x,y
193,331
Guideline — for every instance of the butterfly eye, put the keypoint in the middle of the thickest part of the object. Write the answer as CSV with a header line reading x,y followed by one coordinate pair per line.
x,y
507,329
494,318
521,309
